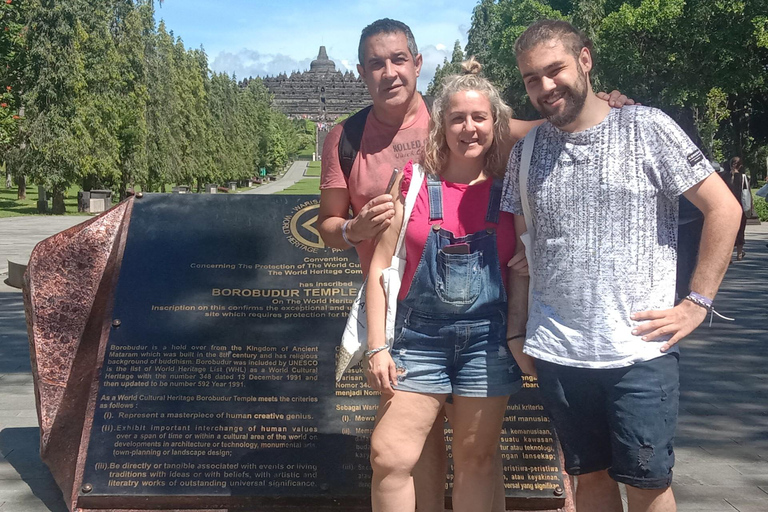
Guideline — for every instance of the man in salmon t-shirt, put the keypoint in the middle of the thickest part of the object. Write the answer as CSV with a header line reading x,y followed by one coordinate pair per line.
x,y
394,132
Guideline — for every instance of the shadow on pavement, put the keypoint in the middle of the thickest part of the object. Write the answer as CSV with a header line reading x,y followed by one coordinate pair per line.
x,y
724,381
14,348
20,448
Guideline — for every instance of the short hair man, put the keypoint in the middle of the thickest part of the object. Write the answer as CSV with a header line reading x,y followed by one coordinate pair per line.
x,y
602,327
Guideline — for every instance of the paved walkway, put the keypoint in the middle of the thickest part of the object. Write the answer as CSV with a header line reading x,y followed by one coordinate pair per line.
x,y
18,235
722,442
293,174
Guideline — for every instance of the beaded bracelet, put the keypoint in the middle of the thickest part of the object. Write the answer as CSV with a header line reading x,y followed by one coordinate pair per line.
x,y
373,351
700,300
344,233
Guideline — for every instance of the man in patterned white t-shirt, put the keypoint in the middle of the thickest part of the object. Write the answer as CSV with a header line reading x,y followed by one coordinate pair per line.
x,y
602,324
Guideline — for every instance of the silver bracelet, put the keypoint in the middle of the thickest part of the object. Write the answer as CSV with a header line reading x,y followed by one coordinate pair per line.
x,y
373,351
344,233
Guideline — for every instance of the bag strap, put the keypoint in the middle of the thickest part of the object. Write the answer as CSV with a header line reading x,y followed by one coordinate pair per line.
x,y
494,201
351,137
525,164
410,199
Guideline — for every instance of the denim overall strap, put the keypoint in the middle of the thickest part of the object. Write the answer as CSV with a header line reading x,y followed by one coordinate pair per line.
x,y
447,284
435,189
494,201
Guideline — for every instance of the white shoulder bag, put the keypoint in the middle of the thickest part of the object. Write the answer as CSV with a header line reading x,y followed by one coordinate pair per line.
x,y
746,194
354,340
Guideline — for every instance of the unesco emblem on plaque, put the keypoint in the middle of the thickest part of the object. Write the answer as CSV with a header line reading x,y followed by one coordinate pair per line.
x,y
300,226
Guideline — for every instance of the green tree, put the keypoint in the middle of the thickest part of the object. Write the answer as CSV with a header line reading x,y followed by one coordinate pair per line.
x,y
446,69
493,41
702,61
54,72
12,57
162,140
131,94
114,100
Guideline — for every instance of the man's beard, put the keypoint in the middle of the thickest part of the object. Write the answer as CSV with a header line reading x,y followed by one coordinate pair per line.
x,y
574,98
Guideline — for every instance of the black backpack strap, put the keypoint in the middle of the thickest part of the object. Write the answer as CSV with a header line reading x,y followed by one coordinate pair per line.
x,y
351,136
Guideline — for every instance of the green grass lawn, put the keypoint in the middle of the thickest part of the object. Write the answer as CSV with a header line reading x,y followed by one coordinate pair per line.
x,y
306,153
307,186
313,169
12,207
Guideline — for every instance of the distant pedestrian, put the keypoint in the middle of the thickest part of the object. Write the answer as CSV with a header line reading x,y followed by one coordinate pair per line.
x,y
737,181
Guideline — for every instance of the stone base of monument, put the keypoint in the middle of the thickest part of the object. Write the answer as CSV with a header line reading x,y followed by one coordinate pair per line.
x,y
183,354
16,269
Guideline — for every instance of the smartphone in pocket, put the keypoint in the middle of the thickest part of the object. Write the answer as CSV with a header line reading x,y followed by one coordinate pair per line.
x,y
460,248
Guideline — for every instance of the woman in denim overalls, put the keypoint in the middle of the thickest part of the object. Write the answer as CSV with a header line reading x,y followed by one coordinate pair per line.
x,y
451,320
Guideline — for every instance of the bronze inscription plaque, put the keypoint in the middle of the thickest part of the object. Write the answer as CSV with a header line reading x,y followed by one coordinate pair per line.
x,y
217,381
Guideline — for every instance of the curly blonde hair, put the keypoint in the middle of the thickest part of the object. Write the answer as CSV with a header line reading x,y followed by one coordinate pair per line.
x,y
437,152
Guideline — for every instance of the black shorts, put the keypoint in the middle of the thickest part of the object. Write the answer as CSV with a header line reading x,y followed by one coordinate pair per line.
x,y
619,419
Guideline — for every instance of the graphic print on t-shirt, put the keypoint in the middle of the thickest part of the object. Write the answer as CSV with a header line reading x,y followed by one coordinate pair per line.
x,y
411,150
604,206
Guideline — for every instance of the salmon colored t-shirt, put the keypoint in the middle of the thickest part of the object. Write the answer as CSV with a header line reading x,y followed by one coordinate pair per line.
x,y
382,149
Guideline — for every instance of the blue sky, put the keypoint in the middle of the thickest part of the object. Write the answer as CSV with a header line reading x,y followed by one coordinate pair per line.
x,y
266,37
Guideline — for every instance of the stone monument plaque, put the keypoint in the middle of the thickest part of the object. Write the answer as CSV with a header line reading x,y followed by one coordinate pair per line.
x,y
214,383
217,378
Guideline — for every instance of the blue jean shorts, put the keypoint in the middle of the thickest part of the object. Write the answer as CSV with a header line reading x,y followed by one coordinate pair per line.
x,y
619,419
462,357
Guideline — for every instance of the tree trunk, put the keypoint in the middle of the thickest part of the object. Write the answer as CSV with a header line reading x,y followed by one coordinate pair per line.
x,y
22,194
58,207
123,192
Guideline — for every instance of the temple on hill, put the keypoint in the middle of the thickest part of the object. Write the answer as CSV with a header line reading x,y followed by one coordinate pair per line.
x,y
320,94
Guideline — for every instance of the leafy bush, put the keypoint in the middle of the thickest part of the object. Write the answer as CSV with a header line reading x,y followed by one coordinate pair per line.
x,y
761,207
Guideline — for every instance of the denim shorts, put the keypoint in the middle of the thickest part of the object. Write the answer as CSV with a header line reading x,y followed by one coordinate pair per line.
x,y
619,419
466,357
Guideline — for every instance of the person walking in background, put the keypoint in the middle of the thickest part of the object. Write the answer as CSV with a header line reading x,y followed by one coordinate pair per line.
x,y
737,181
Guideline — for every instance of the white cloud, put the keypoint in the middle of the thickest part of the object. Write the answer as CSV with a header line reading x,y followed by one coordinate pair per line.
x,y
432,56
250,63
247,63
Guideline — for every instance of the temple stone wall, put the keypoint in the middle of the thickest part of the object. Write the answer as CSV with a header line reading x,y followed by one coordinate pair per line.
x,y
320,94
